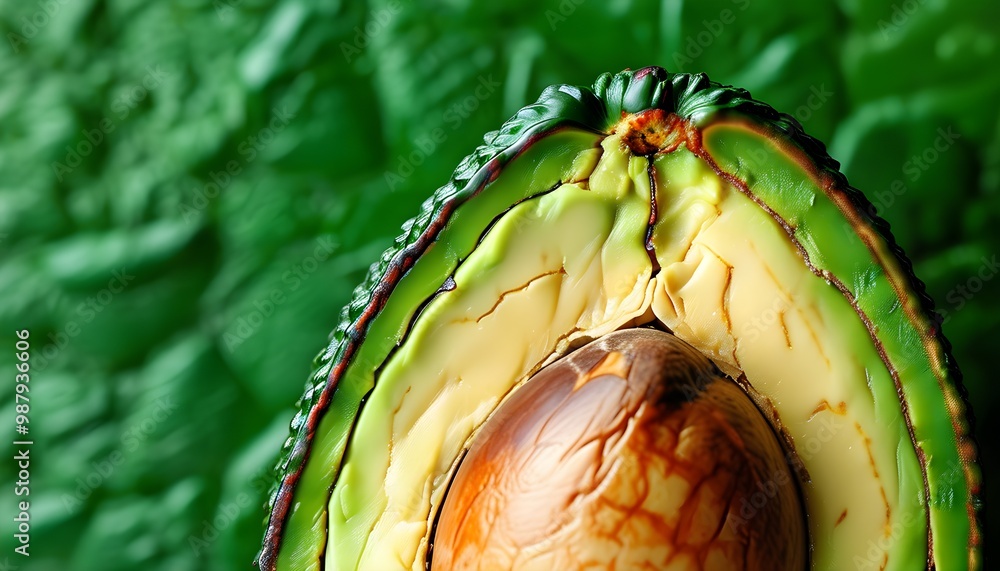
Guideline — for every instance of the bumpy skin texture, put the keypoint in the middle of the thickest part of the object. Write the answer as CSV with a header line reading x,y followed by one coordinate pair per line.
x,y
693,99
633,452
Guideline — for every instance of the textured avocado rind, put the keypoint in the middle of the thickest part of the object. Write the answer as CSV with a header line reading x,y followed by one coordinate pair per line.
x,y
695,100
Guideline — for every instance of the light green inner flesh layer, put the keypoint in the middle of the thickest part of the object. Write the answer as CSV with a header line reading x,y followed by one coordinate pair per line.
x,y
571,265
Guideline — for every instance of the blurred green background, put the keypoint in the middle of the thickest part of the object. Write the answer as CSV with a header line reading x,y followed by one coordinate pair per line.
x,y
190,189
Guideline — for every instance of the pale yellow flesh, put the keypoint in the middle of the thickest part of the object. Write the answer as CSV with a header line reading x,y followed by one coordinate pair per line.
x,y
570,266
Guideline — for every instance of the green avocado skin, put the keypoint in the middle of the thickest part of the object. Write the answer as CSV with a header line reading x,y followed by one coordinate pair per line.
x,y
863,262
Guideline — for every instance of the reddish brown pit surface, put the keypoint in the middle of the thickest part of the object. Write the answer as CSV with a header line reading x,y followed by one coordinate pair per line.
x,y
631,453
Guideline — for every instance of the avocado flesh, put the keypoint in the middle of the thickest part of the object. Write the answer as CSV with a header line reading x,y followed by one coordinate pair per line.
x,y
816,218
571,265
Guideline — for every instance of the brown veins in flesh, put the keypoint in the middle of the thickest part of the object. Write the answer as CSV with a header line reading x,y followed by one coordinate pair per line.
x,y
816,341
871,460
784,329
503,295
840,409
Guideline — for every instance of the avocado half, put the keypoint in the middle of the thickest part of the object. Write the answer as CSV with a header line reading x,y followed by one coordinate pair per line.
x,y
717,230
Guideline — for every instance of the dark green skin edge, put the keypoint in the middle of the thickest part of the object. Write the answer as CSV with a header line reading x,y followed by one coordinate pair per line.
x,y
691,96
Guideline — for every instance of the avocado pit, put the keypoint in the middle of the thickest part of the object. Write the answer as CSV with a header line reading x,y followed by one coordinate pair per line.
x,y
632,452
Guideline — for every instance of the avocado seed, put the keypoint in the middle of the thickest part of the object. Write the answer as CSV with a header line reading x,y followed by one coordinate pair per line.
x,y
633,452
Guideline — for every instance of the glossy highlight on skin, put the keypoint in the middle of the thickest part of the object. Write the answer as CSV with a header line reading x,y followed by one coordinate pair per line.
x,y
633,452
